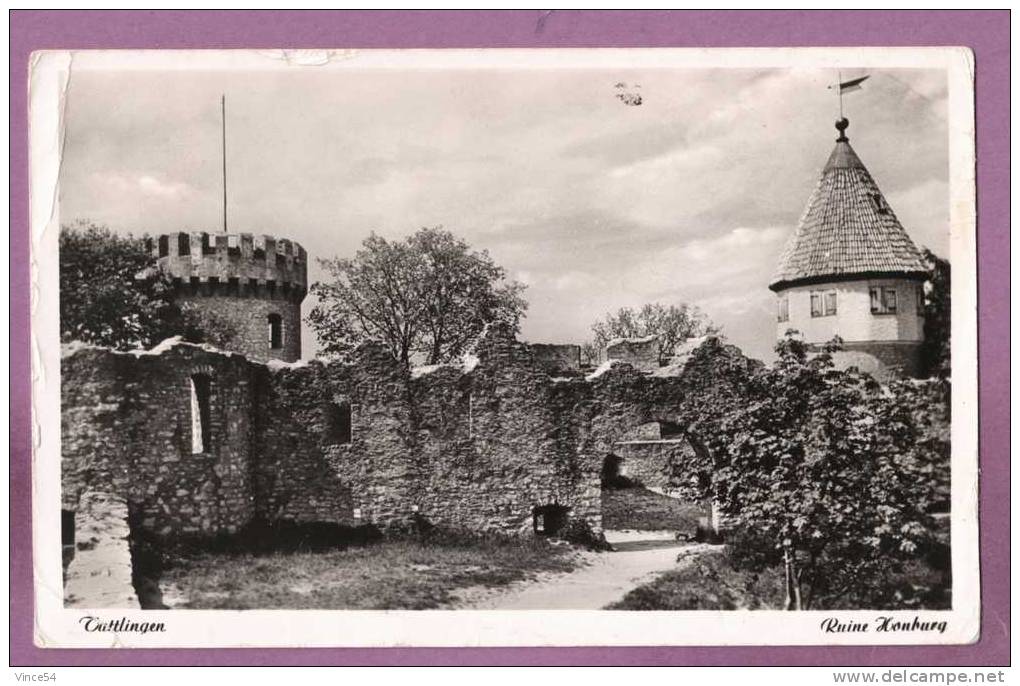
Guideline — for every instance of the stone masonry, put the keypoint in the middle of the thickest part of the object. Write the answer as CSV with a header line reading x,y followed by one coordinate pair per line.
x,y
643,353
202,442
241,287
99,574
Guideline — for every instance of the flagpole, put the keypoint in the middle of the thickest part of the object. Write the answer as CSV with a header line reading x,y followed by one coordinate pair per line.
x,y
839,91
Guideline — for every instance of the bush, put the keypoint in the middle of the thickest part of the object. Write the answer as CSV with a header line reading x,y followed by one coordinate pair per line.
x,y
579,532
838,472
747,549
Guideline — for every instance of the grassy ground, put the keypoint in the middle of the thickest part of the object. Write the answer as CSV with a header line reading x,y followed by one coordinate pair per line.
x,y
710,582
644,510
707,583
378,576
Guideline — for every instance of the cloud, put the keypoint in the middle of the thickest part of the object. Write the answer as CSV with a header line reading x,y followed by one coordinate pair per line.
x,y
574,281
718,262
152,186
141,185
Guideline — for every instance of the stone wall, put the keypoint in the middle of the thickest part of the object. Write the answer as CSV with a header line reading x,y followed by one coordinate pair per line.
x,y
654,464
243,321
556,358
223,256
99,574
477,445
127,429
642,353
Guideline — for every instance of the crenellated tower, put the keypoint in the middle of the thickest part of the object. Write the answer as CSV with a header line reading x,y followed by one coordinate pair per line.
x,y
252,286
850,270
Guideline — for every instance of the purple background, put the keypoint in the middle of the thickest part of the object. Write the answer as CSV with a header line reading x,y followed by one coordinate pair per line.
x,y
986,32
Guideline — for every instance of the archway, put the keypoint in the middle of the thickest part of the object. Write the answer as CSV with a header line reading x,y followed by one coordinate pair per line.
x,y
613,469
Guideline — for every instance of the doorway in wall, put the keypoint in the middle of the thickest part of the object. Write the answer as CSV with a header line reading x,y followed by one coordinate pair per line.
x,y
614,472
550,520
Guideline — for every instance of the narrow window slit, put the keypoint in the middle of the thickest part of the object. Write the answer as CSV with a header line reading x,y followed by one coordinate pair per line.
x,y
201,387
275,331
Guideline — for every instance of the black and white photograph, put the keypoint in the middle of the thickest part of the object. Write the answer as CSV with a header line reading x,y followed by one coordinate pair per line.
x,y
495,347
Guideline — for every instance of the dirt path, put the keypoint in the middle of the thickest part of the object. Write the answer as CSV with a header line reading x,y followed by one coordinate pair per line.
x,y
603,579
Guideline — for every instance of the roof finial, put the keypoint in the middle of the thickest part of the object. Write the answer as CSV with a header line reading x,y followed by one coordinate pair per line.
x,y
841,126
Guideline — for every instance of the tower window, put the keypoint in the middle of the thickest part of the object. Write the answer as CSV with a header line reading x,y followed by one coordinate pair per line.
x,y
164,246
783,314
883,300
275,331
337,423
890,299
183,244
823,304
830,303
920,298
201,387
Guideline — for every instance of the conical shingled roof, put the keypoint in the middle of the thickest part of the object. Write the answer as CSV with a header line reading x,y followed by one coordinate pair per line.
x,y
847,230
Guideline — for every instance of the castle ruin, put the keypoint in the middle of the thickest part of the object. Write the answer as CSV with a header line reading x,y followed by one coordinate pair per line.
x,y
204,442
513,438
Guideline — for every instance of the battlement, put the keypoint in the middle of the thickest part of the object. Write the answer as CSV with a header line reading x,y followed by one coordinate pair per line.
x,y
238,264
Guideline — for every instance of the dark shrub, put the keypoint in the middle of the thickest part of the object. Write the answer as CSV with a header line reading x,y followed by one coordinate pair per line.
x,y
579,532
751,550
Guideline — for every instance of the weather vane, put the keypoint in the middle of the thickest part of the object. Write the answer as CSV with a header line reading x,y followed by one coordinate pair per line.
x,y
847,87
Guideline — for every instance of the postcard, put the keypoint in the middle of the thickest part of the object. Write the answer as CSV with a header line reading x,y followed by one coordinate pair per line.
x,y
566,347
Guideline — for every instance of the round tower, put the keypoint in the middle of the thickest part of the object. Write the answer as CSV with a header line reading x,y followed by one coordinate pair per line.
x,y
850,270
246,289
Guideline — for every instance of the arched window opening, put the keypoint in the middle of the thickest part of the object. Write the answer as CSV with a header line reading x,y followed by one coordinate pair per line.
x,y
201,389
275,331
337,423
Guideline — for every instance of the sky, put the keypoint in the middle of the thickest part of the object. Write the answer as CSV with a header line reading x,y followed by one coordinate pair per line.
x,y
592,203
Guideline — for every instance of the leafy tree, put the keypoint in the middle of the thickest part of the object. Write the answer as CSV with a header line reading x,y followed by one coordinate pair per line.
x,y
202,326
591,353
112,293
428,296
673,324
836,474
935,352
